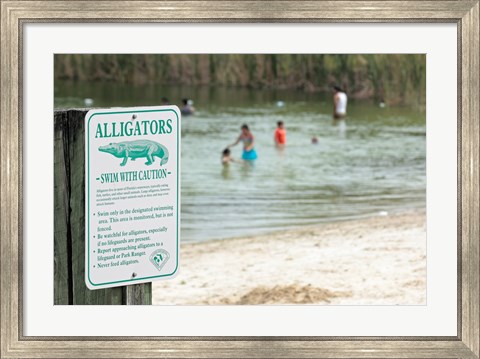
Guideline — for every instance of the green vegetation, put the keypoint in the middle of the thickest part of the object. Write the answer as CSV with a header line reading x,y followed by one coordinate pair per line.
x,y
397,78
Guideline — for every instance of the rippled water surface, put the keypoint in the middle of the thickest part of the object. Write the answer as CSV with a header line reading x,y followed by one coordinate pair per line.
x,y
377,165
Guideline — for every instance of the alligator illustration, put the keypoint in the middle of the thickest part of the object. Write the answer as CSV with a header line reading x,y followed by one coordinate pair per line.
x,y
137,149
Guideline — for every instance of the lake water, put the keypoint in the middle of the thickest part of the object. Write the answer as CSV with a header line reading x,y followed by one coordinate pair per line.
x,y
376,166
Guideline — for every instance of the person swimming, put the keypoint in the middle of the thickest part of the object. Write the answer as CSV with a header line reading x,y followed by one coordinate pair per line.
x,y
226,158
187,107
248,140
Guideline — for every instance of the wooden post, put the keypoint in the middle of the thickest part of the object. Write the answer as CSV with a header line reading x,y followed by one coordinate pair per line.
x,y
69,221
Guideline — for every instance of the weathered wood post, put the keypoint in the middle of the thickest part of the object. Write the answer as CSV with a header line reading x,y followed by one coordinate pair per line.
x,y
69,220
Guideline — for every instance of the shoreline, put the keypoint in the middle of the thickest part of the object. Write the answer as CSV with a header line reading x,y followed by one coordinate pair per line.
x,y
378,260
336,220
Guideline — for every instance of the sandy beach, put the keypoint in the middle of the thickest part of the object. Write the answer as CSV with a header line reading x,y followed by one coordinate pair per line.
x,y
375,261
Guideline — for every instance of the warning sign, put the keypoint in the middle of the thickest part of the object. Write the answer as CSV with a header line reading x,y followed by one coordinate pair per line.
x,y
132,195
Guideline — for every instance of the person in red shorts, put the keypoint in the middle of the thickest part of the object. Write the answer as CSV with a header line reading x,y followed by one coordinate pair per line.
x,y
280,136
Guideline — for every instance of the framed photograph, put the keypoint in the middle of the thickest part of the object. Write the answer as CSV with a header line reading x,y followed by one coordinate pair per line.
x,y
329,179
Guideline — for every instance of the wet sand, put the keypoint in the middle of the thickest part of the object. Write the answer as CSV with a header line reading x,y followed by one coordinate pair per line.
x,y
375,261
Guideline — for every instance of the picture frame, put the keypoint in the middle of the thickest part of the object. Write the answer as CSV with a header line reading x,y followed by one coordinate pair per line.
x,y
15,14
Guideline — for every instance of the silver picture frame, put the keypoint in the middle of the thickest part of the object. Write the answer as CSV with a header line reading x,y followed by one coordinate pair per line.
x,y
16,14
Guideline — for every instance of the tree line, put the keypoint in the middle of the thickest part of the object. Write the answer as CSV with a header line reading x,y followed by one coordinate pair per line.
x,y
393,78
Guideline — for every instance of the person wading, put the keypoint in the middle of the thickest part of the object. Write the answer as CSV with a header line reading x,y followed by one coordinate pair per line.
x,y
339,107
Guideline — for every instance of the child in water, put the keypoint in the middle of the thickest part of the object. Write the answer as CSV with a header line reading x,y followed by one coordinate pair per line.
x,y
226,159
280,136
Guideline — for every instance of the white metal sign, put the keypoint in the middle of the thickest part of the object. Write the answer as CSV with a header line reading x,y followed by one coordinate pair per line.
x,y
132,195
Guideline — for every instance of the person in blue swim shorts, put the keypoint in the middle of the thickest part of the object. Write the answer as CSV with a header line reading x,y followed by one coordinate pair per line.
x,y
248,140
